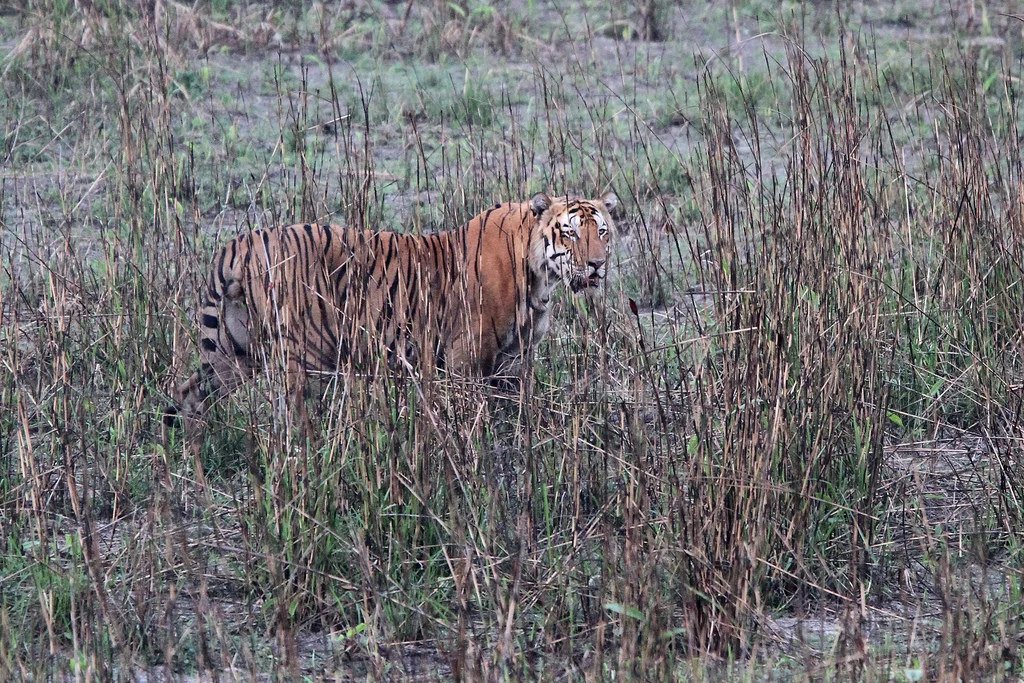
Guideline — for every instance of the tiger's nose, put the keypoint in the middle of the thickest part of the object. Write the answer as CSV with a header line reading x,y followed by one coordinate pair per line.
x,y
596,263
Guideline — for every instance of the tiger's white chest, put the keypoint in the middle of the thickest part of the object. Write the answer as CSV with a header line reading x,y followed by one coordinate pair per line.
x,y
533,319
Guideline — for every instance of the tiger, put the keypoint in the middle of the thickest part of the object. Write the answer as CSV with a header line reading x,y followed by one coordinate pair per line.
x,y
324,297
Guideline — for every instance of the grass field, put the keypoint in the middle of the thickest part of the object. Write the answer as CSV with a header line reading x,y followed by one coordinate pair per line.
x,y
784,441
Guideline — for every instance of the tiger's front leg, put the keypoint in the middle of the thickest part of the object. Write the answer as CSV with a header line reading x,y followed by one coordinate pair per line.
x,y
296,389
470,355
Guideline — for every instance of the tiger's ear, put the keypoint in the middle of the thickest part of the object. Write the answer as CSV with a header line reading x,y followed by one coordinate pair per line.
x,y
610,201
540,203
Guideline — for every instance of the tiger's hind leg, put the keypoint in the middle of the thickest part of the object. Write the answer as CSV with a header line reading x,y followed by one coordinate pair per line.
x,y
224,365
217,377
224,356
214,380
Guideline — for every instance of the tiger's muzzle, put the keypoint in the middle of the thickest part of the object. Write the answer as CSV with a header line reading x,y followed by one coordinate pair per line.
x,y
591,277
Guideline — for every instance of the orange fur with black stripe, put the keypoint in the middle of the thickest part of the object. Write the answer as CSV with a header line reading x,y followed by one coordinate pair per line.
x,y
328,298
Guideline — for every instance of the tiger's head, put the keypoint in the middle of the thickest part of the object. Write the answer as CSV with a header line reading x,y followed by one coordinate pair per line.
x,y
572,242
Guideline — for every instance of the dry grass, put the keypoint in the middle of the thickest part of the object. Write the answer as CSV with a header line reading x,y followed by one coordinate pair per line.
x,y
784,441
